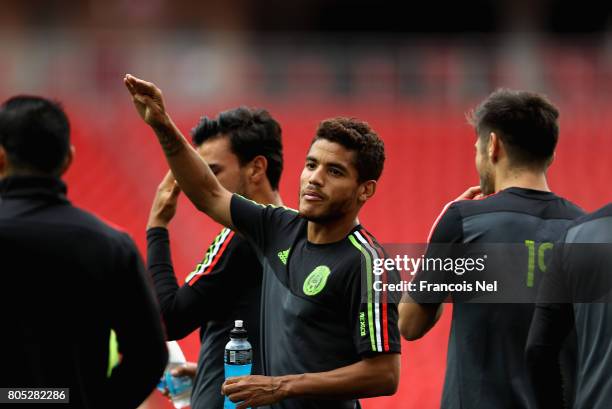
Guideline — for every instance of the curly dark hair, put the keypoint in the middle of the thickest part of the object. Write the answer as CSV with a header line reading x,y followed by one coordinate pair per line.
x,y
358,136
252,132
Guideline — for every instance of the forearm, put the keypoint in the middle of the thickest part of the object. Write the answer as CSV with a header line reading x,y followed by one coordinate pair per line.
x,y
193,175
550,327
181,309
545,375
415,320
367,378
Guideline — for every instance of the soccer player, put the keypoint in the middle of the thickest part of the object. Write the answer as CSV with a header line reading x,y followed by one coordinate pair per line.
x,y
517,132
243,148
580,273
68,278
323,345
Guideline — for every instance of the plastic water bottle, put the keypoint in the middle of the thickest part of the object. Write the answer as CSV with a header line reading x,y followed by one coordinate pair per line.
x,y
238,357
179,387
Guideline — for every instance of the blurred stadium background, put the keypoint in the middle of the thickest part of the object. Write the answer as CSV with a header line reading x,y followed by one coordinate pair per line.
x,y
411,70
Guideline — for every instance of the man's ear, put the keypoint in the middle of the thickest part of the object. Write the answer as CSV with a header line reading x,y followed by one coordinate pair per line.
x,y
68,160
3,162
494,147
366,190
257,169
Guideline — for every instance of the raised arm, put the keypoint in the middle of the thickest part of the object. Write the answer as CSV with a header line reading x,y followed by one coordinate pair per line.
x,y
191,172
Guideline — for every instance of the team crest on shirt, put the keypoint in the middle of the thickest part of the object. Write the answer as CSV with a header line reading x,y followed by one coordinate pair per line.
x,y
316,280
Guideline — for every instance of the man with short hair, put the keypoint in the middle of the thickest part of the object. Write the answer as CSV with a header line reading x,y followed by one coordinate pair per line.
x,y
327,338
517,133
69,279
243,148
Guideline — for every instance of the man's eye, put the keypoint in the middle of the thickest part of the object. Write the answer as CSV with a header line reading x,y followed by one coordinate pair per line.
x,y
310,165
335,172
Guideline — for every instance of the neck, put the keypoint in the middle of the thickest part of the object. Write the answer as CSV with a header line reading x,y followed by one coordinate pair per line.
x,y
526,179
322,233
267,196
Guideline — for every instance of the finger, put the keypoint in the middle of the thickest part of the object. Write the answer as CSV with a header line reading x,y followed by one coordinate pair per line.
x,y
178,371
145,99
233,379
176,191
239,396
141,86
245,404
231,386
129,86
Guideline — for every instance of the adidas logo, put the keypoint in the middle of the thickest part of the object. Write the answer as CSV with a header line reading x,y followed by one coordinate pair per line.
x,y
284,255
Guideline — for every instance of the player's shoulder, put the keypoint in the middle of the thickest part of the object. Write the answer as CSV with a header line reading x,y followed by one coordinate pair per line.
x,y
489,203
592,225
96,227
604,212
529,201
270,211
362,244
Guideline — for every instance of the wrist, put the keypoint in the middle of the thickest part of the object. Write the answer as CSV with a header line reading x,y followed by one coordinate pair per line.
x,y
157,223
163,124
289,385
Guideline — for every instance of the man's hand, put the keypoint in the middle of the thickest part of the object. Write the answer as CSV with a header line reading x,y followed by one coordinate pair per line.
x,y
188,369
473,193
164,204
148,101
254,390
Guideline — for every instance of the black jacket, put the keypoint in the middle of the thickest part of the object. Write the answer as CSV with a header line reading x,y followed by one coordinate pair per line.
x,y
67,279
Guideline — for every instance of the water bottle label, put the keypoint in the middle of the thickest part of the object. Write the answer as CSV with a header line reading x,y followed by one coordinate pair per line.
x,y
242,357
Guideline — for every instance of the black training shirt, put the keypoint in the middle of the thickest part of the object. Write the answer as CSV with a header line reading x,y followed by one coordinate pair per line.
x,y
317,315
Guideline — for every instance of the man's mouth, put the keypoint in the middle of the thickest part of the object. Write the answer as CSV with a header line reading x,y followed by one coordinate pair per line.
x,y
311,195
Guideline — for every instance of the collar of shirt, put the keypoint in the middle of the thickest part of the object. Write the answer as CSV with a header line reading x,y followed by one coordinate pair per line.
x,y
33,186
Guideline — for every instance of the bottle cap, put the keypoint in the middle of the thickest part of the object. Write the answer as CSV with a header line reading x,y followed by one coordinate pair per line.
x,y
238,331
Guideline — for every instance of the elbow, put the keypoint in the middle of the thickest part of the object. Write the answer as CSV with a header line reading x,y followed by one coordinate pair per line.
x,y
206,197
416,320
389,377
389,383
410,331
391,386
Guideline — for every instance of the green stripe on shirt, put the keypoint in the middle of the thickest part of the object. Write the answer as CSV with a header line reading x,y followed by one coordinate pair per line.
x,y
369,279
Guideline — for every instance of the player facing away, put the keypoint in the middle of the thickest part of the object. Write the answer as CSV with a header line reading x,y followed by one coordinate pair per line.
x,y
576,294
324,345
243,148
517,133
69,280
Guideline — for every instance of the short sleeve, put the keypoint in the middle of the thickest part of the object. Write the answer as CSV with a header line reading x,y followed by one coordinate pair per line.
x,y
373,314
257,223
